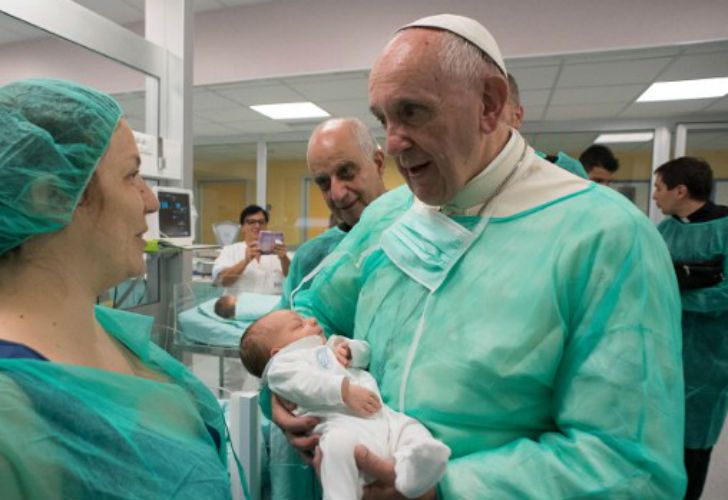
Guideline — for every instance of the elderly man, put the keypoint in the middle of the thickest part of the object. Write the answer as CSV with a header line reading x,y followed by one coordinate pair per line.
x,y
347,165
513,115
541,346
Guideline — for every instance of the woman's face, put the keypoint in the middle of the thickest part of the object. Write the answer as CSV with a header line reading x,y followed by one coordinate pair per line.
x,y
119,202
252,226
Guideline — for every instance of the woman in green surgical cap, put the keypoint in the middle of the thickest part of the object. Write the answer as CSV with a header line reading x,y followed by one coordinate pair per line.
x,y
91,408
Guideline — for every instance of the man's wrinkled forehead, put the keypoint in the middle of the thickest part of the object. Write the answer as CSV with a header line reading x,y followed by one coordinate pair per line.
x,y
406,43
413,50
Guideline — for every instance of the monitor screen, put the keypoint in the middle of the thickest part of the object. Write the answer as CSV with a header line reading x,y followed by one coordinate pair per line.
x,y
175,218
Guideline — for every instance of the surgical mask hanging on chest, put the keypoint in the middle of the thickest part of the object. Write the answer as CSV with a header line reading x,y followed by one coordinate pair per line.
x,y
425,244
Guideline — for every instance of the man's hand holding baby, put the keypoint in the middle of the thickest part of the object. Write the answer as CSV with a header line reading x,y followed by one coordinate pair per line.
x,y
360,399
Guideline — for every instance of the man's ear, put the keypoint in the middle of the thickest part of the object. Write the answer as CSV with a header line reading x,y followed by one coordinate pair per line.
x,y
494,97
379,161
681,190
518,117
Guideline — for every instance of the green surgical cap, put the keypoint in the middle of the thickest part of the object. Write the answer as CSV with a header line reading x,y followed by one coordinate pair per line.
x,y
52,135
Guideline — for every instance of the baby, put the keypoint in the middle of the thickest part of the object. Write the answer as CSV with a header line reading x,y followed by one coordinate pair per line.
x,y
327,380
225,306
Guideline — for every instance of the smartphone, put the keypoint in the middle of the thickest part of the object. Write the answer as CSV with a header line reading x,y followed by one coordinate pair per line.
x,y
267,240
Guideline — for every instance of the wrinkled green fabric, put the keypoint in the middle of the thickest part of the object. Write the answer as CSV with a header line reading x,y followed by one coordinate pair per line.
x,y
75,432
548,360
567,163
307,257
52,135
705,330
290,477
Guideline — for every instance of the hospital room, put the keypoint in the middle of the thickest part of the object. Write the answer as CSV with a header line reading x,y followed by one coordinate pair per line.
x,y
493,234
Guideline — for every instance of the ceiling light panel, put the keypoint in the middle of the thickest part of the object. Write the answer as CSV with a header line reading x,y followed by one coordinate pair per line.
x,y
681,90
290,110
624,138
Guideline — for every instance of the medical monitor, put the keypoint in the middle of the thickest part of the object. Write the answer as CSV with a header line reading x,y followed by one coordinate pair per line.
x,y
175,221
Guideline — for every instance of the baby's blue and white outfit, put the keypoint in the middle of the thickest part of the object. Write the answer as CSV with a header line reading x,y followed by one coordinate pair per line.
x,y
307,373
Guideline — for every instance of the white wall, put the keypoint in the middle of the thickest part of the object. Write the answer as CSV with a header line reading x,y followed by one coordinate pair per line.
x,y
52,57
284,38
291,37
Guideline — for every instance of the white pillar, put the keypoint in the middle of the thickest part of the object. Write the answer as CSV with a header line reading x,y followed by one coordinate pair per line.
x,y
261,173
247,442
660,154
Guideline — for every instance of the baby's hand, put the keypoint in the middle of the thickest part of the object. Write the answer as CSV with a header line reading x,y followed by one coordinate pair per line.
x,y
360,399
343,354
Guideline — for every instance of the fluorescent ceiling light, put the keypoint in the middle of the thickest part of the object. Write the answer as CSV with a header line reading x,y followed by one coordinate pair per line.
x,y
290,110
621,138
685,89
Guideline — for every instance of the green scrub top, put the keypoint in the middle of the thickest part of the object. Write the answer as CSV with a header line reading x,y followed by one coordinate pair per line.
x,y
567,163
69,431
307,257
705,330
547,358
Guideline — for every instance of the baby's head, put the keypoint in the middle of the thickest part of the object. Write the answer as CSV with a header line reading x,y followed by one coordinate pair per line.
x,y
271,333
225,306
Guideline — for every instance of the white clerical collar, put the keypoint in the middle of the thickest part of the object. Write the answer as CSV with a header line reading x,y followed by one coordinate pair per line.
x,y
483,186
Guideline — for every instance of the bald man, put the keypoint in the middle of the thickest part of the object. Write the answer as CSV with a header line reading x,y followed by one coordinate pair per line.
x,y
347,165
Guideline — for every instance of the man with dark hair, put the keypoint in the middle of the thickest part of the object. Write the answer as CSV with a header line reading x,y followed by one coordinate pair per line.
x,y
600,163
697,237
683,186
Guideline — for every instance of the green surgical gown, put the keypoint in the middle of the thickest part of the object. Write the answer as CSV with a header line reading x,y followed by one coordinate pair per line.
x,y
307,257
705,330
74,432
548,359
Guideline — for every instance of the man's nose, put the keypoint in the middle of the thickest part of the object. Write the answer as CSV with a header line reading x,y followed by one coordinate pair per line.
x,y
397,140
339,189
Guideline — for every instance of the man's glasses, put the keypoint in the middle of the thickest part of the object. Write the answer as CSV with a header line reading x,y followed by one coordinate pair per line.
x,y
255,222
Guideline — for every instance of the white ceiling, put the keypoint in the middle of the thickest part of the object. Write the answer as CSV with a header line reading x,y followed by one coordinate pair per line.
x,y
591,89
568,92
